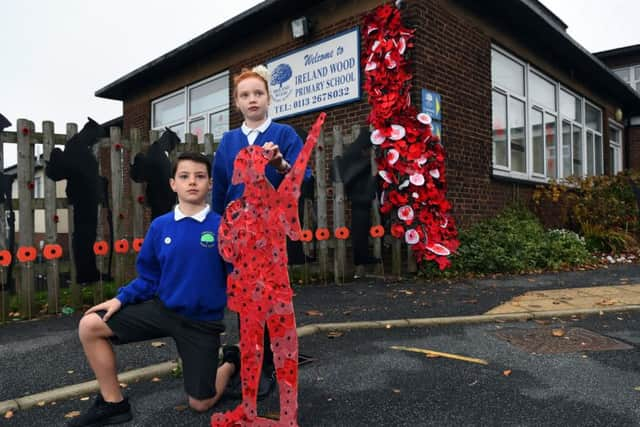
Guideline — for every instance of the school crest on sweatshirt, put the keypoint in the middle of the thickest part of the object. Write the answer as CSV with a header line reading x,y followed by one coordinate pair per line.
x,y
207,239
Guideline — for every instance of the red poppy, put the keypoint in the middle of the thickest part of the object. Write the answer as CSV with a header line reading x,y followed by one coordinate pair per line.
x,y
5,258
52,251
141,199
137,244
122,246
376,231
100,248
342,233
56,219
118,147
322,234
25,131
26,253
30,185
306,235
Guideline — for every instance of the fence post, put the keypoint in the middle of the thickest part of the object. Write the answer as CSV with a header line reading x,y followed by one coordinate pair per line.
x,y
321,200
50,226
137,189
116,151
76,296
26,221
340,253
375,216
4,291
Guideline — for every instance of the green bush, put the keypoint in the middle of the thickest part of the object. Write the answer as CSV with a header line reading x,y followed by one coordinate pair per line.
x,y
514,241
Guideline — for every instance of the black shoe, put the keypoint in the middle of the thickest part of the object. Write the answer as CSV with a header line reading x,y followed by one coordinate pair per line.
x,y
103,413
234,388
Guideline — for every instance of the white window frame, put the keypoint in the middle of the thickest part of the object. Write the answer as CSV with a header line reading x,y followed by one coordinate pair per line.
x,y
633,81
529,175
595,133
616,146
187,118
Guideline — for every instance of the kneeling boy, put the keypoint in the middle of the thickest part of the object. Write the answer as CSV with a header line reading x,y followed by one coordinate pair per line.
x,y
180,292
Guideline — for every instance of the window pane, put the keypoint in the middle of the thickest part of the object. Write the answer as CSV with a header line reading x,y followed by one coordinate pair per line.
x,y
507,73
179,130
499,109
623,73
211,95
219,123
537,140
590,163
570,106
550,142
517,132
593,118
612,160
599,160
196,127
566,148
169,110
542,91
614,135
577,151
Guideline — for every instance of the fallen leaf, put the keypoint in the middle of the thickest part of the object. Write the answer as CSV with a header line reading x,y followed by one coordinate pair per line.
x,y
155,380
180,408
395,390
158,344
313,313
72,414
557,332
41,403
335,334
84,398
8,414
506,372
70,371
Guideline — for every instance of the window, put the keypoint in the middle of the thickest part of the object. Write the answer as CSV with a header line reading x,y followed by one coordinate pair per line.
x,y
631,75
541,130
593,125
615,148
198,109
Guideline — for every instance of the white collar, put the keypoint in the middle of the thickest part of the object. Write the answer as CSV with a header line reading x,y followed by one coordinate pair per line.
x,y
200,216
260,129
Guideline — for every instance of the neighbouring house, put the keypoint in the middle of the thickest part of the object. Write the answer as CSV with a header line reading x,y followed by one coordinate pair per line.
x,y
520,102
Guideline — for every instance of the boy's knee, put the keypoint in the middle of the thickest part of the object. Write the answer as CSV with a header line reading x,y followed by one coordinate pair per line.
x,y
91,326
201,405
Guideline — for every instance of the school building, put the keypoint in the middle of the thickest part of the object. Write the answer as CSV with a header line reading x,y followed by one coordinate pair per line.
x,y
517,100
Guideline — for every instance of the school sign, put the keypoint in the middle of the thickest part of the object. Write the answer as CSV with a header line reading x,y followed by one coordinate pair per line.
x,y
316,77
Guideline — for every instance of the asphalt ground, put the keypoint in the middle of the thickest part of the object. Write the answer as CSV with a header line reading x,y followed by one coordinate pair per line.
x,y
357,379
45,354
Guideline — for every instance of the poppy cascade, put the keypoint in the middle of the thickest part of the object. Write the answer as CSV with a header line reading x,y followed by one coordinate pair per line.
x,y
252,237
410,159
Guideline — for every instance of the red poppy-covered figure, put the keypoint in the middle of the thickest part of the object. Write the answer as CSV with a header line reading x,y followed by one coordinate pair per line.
x,y
252,238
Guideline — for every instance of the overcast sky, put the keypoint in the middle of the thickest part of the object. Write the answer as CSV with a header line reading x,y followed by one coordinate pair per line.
x,y
56,54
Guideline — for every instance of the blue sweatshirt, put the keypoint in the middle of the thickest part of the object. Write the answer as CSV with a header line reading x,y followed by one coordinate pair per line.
x,y
289,144
179,263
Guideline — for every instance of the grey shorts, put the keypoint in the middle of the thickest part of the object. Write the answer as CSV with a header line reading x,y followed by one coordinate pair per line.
x,y
198,341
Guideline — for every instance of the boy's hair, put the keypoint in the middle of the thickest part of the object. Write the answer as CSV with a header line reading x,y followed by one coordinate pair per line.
x,y
194,157
260,72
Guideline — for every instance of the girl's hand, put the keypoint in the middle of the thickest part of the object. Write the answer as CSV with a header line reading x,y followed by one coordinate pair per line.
x,y
272,152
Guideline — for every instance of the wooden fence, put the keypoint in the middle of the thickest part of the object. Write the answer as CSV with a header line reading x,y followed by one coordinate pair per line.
x,y
332,260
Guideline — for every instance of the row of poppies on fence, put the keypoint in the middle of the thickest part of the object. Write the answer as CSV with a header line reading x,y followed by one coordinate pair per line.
x,y
101,248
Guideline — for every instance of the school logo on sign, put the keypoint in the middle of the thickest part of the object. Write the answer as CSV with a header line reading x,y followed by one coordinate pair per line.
x,y
281,75
207,239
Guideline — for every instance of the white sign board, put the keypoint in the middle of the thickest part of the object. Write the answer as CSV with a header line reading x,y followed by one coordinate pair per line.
x,y
316,77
